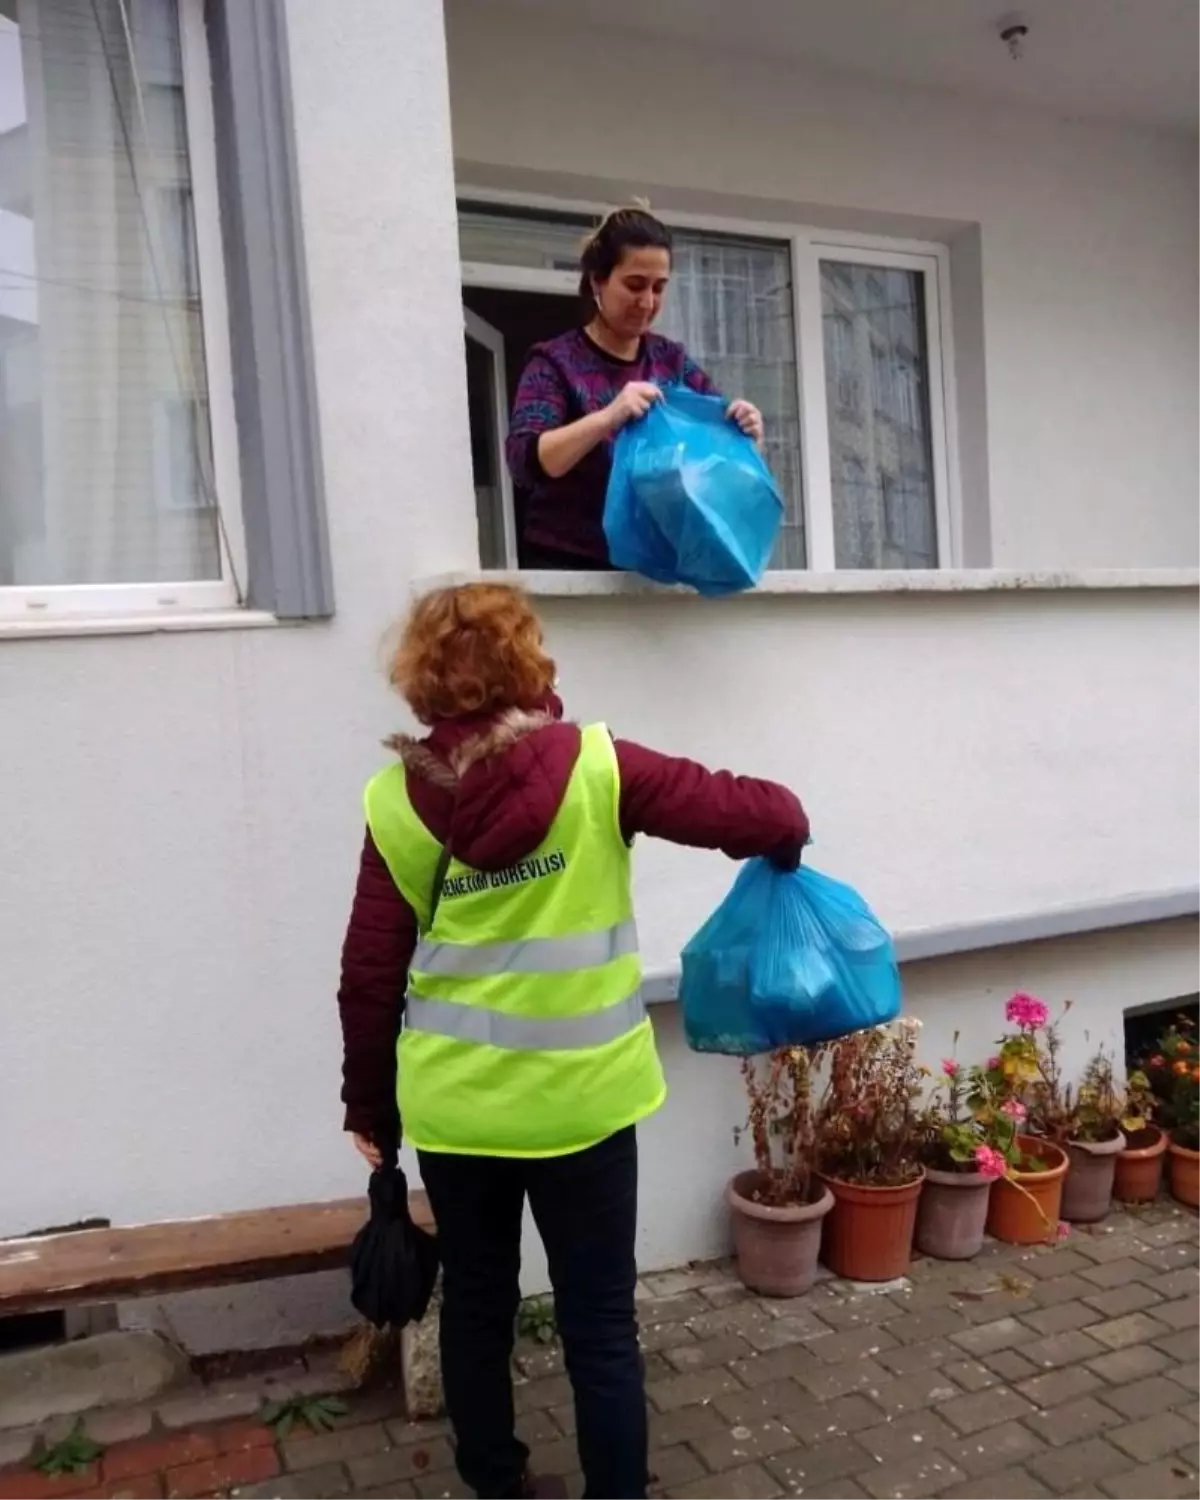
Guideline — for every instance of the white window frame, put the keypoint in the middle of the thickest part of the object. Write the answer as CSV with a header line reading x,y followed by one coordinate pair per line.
x,y
73,601
491,339
808,246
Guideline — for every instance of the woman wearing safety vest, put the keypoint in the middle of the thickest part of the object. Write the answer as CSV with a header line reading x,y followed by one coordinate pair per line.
x,y
493,913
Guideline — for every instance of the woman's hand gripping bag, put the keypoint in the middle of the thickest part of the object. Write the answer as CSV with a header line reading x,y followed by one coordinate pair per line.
x,y
690,499
787,959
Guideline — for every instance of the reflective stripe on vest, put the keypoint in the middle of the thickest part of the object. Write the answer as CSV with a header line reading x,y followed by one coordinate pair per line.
x,y
531,956
470,1023
525,1032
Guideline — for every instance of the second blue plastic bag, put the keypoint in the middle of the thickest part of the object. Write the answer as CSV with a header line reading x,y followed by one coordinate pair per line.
x,y
690,499
786,960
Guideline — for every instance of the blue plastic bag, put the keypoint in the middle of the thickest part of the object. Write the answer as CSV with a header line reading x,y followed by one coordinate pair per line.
x,y
690,499
786,960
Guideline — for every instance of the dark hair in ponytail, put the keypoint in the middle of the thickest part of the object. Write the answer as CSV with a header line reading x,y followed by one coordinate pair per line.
x,y
631,228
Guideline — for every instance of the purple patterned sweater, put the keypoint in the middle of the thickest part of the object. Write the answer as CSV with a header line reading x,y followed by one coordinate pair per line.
x,y
564,379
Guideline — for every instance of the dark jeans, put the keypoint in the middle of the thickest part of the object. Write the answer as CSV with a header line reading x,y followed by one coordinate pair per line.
x,y
585,1208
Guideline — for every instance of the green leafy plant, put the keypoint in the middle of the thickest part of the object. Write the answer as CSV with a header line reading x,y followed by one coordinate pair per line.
x,y
536,1320
72,1455
952,1139
1173,1072
318,1413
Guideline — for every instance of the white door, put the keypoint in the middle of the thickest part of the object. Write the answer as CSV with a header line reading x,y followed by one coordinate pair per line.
x,y
487,400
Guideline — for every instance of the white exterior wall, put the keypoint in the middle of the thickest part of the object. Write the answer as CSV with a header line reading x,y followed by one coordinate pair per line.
x,y
181,810
1088,242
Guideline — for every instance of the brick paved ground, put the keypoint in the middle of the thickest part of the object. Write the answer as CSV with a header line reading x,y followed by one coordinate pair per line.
x,y
1059,1371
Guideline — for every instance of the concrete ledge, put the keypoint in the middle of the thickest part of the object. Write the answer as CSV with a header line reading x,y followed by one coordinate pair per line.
x,y
1002,932
930,581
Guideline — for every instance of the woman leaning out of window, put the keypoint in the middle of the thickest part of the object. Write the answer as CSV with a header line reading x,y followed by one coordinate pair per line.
x,y
578,390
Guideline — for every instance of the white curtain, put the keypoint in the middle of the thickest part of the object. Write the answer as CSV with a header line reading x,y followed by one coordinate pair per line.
x,y
110,475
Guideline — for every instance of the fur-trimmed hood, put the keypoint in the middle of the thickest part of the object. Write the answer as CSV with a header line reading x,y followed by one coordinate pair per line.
x,y
494,783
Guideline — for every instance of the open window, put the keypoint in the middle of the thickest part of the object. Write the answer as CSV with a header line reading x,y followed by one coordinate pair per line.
x,y
839,344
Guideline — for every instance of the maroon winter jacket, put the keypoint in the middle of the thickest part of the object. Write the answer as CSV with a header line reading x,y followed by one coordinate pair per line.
x,y
494,785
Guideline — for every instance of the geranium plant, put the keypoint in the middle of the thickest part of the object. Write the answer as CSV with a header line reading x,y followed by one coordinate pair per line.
x,y
782,1123
869,1124
953,1139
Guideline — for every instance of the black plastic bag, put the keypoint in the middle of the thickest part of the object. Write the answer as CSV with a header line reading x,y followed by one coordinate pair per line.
x,y
393,1262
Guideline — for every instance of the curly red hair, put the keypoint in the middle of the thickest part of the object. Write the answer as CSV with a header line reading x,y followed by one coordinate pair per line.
x,y
469,650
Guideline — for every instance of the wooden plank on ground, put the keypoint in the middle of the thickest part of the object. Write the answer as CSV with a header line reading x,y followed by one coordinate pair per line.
x,y
47,1272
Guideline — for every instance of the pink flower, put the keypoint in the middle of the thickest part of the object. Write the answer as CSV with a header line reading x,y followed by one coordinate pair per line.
x,y
1063,1230
1026,1011
993,1064
950,1067
989,1162
1014,1109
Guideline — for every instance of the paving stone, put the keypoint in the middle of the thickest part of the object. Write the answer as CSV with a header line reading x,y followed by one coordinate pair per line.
x,y
537,1360
1176,1230
17,1444
920,1327
1062,1349
774,1398
672,1309
669,1428
560,1457
909,1359
1116,1273
324,1483
997,1448
1010,1365
818,1421
1153,1437
1182,1283
855,1312
1134,1297
1171,1257
1056,1386
1184,1312
748,1483
971,1374
1179,1346
1133,1328
900,1437
913,1393
541,1395
398,1464
660,1336
1045,1264
686,1390
1107,1244
985,1409
1061,1289
808,1470
700,1354
1010,1484
1073,1420
1162,1481
310,1452
842,1489
1187,1376
792,1328
534,1428
1063,1469
444,1486
987,1338
853,1343
671,1467
1065,1316
913,1479
740,1445
195,1408
1125,1365
1145,1397
830,1381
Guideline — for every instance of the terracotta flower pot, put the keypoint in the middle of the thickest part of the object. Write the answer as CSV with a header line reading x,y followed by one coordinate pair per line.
x,y
869,1234
952,1214
1184,1175
776,1248
1140,1166
1088,1189
1027,1211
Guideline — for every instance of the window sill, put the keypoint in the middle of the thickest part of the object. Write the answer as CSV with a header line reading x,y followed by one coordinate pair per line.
x,y
88,625
942,581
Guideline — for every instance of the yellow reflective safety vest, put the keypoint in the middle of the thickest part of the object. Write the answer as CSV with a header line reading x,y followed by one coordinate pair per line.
x,y
525,1032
